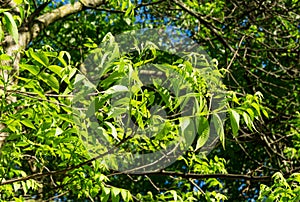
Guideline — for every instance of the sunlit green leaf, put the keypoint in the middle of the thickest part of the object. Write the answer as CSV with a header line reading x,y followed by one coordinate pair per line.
x,y
235,121
56,69
218,124
33,69
39,57
11,26
203,131
27,123
50,80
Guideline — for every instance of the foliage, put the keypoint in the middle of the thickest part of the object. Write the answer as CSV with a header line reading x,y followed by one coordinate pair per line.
x,y
282,189
48,144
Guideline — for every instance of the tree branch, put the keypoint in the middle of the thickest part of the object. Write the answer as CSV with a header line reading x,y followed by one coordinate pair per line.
x,y
205,23
204,176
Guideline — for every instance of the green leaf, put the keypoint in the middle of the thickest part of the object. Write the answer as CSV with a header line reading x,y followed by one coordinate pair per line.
x,y
5,57
218,123
33,69
50,80
61,58
125,195
130,10
116,111
3,10
115,191
186,127
256,107
16,186
105,194
11,26
265,113
1,33
203,131
92,108
39,57
115,194
235,99
4,67
22,144
235,121
24,187
22,12
27,123
248,121
56,69
117,88
18,2
113,130
66,117
79,78
251,113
